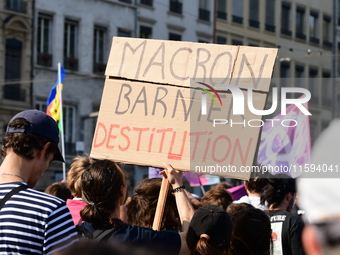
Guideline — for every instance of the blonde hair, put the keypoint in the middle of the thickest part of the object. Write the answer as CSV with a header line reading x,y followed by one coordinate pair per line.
x,y
79,165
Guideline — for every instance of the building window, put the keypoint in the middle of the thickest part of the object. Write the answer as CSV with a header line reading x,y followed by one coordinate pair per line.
x,y
326,31
13,90
313,85
221,39
285,19
71,45
145,32
176,6
16,5
124,33
99,46
254,13
236,42
203,11
147,2
270,15
175,37
299,29
69,121
285,80
237,11
326,89
313,22
44,40
221,9
299,71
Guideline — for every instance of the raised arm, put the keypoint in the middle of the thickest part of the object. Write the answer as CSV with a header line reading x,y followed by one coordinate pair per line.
x,y
185,209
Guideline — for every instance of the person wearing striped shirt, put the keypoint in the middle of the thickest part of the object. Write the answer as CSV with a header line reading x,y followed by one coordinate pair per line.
x,y
31,222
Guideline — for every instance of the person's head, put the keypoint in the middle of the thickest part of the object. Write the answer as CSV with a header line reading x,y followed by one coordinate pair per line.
x,y
142,206
217,196
234,210
104,189
30,131
280,192
256,185
319,195
209,231
79,165
223,185
251,233
32,135
59,189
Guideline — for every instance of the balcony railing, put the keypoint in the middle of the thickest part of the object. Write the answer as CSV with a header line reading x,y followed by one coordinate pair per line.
x,y
204,14
286,31
147,2
300,35
270,28
254,23
237,19
14,92
16,6
176,6
71,64
44,59
126,1
314,40
327,43
99,68
221,15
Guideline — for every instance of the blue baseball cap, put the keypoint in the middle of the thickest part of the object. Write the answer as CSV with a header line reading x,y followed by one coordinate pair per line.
x,y
40,124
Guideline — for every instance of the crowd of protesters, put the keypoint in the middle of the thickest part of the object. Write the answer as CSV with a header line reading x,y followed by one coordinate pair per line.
x,y
91,213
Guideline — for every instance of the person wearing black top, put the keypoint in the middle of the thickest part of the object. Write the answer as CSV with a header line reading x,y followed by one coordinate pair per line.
x,y
287,227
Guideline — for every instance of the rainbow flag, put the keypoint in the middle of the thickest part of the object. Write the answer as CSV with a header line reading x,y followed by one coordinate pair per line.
x,y
54,100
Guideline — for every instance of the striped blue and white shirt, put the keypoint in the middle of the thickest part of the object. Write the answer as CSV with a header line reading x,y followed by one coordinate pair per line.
x,y
33,222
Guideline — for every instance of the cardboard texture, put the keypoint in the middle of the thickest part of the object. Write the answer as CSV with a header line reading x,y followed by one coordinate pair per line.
x,y
158,118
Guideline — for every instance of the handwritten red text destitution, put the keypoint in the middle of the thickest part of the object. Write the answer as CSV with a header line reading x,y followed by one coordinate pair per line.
x,y
203,145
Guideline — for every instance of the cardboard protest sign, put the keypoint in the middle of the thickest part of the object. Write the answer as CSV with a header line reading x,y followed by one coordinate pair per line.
x,y
148,116
176,63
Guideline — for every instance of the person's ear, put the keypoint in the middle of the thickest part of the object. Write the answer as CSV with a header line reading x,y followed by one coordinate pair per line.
x,y
310,241
48,144
42,153
289,196
246,184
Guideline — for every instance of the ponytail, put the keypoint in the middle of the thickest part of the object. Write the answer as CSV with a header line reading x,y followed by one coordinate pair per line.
x,y
205,246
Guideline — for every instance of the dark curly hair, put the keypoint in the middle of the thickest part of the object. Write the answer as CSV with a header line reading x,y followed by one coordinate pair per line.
x,y
278,186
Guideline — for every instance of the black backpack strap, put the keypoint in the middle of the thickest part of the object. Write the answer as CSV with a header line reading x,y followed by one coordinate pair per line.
x,y
99,235
11,193
105,234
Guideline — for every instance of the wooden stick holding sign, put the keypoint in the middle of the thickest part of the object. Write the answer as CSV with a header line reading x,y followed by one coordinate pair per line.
x,y
163,193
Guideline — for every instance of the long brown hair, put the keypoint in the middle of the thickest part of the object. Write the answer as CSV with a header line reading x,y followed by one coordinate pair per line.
x,y
101,184
142,206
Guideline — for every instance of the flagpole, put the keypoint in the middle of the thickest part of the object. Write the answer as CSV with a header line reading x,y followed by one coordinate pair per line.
x,y
61,122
